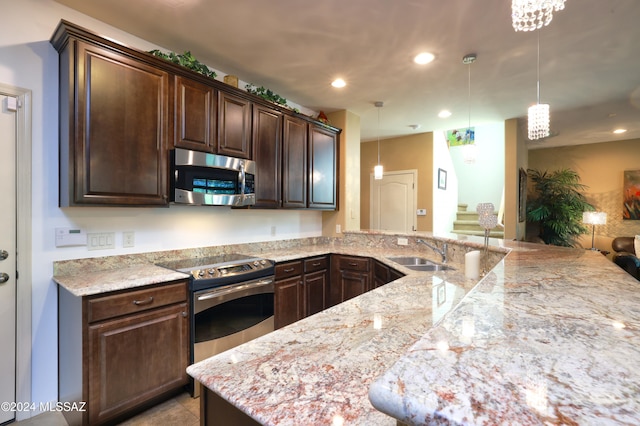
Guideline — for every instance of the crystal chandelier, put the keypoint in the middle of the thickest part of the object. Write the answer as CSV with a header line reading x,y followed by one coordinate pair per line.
x,y
377,170
538,114
529,15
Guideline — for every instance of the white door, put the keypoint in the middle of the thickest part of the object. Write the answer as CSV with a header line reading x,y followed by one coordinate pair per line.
x,y
8,266
393,201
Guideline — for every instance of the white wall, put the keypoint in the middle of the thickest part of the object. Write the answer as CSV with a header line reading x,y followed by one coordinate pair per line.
x,y
445,201
28,60
483,181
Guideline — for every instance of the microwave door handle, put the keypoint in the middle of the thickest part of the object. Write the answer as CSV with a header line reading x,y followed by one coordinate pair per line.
x,y
241,176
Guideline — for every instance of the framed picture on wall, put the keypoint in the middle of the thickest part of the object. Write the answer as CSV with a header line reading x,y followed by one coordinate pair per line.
x,y
442,179
522,196
631,195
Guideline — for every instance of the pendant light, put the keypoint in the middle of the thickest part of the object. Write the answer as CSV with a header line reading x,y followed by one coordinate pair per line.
x,y
469,150
538,114
377,170
529,15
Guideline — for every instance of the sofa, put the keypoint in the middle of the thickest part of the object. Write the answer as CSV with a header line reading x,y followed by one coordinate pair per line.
x,y
625,255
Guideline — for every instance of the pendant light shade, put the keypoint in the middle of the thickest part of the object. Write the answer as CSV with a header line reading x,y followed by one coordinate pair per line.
x,y
378,171
538,118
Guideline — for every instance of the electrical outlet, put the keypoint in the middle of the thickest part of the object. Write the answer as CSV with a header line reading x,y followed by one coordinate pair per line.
x,y
101,240
338,228
128,239
403,241
421,212
273,231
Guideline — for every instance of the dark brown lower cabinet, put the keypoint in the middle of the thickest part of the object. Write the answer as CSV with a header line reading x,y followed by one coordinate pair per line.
x,y
121,352
301,289
315,285
287,296
350,277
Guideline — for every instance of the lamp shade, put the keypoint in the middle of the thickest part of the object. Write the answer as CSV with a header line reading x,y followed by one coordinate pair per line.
x,y
594,218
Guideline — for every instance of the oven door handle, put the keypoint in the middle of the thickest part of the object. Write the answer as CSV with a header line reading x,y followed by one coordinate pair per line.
x,y
235,288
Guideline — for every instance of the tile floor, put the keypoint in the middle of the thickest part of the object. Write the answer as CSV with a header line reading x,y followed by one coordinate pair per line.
x,y
181,410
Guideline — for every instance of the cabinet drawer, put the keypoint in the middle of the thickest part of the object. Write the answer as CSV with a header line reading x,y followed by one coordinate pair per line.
x,y
289,269
353,263
135,301
316,264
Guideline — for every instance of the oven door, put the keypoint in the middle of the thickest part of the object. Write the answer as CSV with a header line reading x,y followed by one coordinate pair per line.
x,y
227,316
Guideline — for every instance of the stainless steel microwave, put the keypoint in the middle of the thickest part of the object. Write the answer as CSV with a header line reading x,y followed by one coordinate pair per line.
x,y
201,178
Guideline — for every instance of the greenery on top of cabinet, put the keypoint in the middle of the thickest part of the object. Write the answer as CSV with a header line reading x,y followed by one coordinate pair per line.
x,y
187,60
266,94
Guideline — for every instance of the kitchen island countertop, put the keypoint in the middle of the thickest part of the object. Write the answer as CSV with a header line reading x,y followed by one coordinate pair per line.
x,y
549,336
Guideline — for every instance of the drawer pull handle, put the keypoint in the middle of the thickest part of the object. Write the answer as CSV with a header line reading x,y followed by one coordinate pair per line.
x,y
316,264
289,269
353,264
143,302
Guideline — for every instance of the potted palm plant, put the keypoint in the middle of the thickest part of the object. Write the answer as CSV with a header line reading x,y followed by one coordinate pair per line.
x,y
556,204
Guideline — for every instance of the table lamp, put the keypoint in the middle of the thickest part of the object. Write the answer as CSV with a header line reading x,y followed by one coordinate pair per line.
x,y
594,218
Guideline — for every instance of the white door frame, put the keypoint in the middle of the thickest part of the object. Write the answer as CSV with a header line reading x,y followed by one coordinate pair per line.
x,y
23,244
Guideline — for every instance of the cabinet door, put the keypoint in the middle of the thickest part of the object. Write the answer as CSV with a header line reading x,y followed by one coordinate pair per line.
x,y
115,152
315,292
195,117
323,158
287,300
234,126
381,274
267,152
294,163
352,284
135,358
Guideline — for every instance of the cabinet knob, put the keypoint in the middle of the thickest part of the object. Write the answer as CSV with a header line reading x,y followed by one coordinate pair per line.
x,y
4,278
184,314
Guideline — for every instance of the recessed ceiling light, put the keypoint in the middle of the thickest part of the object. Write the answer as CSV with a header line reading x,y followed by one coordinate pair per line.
x,y
338,82
619,131
423,58
444,113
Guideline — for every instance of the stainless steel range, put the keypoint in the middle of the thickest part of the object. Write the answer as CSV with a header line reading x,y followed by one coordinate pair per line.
x,y
231,301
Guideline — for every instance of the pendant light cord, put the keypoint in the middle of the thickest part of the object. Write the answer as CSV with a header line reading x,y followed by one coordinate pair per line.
x,y
469,105
538,67
379,106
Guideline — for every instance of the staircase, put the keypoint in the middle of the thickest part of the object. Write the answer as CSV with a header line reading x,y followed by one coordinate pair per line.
x,y
467,223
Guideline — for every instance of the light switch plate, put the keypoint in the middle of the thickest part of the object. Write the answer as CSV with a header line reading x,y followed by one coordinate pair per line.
x,y
101,240
421,212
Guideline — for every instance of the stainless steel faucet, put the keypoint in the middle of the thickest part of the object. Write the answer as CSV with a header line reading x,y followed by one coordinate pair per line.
x,y
442,252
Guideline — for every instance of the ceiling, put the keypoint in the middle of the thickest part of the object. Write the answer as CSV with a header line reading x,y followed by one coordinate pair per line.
x,y
589,58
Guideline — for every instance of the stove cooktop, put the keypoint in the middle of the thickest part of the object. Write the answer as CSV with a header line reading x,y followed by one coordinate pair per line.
x,y
195,263
222,269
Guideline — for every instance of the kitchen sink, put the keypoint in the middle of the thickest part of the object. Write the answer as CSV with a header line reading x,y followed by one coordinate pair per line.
x,y
411,260
429,268
419,263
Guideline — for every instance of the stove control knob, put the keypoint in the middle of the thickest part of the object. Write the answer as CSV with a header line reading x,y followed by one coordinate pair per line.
x,y
211,272
200,274
263,262
255,262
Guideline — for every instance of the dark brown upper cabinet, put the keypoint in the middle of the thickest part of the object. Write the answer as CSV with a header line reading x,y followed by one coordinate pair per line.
x,y
114,124
294,163
234,126
195,115
267,147
323,163
122,109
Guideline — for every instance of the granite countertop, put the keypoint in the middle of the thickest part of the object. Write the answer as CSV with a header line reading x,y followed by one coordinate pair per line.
x,y
548,336
92,282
